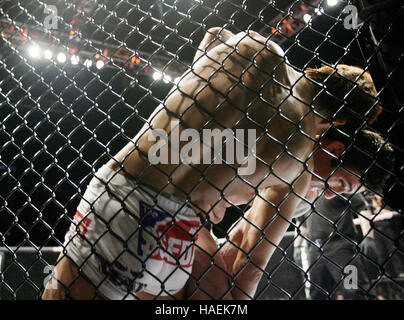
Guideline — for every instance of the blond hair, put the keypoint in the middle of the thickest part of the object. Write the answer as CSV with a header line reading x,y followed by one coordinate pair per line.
x,y
345,93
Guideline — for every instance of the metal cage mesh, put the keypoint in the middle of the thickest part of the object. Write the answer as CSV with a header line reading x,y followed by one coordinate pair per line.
x,y
80,79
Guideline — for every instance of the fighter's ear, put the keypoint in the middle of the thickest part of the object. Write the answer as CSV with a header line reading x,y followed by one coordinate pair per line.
x,y
333,146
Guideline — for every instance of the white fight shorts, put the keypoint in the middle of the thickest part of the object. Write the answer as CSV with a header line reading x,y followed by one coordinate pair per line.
x,y
127,238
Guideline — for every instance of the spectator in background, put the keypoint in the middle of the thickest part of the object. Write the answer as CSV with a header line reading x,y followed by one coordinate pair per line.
x,y
381,293
367,240
339,296
388,226
380,227
399,294
331,228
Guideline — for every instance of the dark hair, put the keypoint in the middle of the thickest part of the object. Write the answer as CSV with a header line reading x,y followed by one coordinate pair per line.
x,y
367,152
348,84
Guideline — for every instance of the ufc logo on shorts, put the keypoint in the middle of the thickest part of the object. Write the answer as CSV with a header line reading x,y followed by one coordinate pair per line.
x,y
176,242
81,223
172,249
175,239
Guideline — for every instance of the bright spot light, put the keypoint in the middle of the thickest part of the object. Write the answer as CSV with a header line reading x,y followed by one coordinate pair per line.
x,y
99,64
74,59
319,11
306,18
34,51
167,78
157,75
48,54
332,3
88,63
61,57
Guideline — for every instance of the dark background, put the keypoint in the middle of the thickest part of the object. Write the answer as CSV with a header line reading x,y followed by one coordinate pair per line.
x,y
60,122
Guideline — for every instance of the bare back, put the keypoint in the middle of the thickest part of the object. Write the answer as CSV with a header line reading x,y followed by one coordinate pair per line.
x,y
243,83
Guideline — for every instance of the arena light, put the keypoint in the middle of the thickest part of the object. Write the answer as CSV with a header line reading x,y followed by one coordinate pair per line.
x,y
88,63
34,51
166,78
75,60
306,17
157,75
332,3
48,54
61,57
319,11
99,64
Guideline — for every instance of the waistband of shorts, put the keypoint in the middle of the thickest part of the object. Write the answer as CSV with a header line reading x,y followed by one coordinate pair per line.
x,y
107,174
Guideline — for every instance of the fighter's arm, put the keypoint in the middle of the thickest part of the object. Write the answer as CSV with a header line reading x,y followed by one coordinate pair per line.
x,y
212,38
259,233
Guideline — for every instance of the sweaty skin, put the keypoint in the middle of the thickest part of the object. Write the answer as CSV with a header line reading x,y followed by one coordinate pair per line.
x,y
237,81
243,82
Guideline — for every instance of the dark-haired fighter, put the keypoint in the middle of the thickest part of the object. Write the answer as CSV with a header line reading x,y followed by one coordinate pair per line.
x,y
136,227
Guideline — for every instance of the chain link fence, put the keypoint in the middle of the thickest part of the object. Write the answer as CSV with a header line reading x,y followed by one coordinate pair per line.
x,y
111,187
